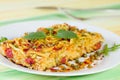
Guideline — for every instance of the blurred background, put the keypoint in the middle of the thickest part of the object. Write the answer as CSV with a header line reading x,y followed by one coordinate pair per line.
x,y
17,10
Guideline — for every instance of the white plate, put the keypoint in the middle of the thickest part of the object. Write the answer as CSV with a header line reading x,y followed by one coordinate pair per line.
x,y
17,29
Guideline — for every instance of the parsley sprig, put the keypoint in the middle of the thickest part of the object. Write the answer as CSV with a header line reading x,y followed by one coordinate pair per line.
x,y
107,49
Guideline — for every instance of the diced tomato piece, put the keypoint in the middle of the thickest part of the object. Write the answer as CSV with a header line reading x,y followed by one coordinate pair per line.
x,y
25,50
97,46
9,53
27,45
68,69
53,69
29,60
63,60
38,48
56,49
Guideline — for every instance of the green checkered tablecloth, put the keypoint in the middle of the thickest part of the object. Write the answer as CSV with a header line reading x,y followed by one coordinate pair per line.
x,y
11,74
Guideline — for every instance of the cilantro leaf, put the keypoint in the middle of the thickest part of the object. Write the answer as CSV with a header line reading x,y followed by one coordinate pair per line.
x,y
65,34
35,35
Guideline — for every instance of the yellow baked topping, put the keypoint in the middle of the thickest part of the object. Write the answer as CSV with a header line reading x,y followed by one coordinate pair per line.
x,y
52,47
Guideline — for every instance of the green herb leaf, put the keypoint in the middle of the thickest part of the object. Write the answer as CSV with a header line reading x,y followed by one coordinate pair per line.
x,y
35,35
2,39
114,47
65,34
106,50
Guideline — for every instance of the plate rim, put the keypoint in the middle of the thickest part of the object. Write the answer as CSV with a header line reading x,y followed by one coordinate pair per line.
x,y
44,73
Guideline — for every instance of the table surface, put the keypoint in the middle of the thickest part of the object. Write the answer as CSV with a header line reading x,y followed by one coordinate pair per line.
x,y
13,11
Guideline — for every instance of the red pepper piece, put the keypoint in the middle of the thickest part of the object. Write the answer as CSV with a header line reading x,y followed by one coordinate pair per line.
x,y
56,49
25,50
29,60
9,53
38,48
63,60
97,46
53,69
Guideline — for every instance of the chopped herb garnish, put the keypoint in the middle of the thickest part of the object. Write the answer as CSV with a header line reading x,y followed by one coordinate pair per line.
x,y
35,35
66,34
2,39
